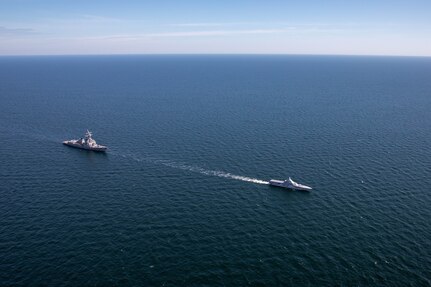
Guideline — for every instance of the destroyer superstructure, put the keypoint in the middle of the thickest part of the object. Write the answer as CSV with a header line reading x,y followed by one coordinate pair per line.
x,y
87,143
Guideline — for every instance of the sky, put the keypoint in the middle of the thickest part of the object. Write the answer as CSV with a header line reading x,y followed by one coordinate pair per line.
x,y
329,27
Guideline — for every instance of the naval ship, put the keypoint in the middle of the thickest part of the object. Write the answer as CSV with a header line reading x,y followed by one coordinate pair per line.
x,y
87,143
289,184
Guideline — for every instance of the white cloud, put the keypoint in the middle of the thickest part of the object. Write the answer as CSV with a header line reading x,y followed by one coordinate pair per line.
x,y
212,24
5,31
214,33
97,18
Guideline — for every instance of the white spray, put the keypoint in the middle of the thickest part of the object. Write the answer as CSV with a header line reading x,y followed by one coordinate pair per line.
x,y
200,170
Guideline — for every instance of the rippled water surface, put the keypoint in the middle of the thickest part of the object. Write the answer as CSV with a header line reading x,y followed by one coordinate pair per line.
x,y
181,197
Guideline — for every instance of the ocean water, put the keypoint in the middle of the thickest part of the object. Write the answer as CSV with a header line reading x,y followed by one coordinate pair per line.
x,y
181,197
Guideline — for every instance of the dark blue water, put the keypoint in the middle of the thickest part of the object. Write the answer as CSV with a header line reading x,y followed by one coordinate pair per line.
x,y
180,199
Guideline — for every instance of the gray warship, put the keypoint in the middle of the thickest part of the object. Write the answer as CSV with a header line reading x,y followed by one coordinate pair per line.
x,y
289,183
87,143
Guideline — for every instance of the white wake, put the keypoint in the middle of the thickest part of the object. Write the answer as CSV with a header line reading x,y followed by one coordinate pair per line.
x,y
200,170
210,172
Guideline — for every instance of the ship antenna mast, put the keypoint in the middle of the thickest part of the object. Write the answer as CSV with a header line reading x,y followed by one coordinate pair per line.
x,y
88,134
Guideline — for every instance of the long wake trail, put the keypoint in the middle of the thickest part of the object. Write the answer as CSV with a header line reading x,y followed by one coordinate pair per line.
x,y
211,172
197,169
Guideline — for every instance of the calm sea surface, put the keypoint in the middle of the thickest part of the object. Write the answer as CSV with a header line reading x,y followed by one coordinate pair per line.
x,y
180,199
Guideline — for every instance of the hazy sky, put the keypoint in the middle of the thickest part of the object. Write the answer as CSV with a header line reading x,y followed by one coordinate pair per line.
x,y
367,27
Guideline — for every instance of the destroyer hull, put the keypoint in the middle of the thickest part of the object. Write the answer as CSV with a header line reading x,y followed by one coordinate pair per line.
x,y
76,145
